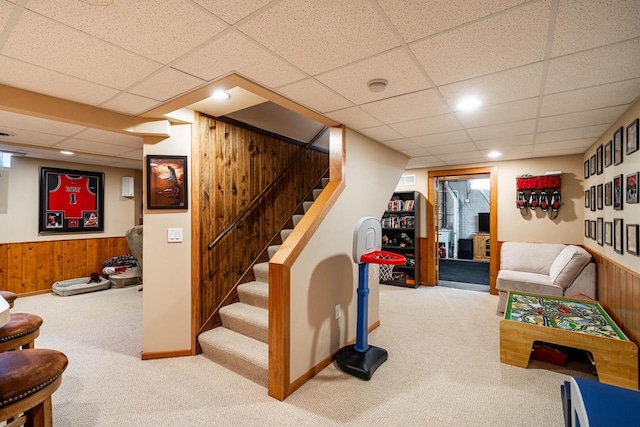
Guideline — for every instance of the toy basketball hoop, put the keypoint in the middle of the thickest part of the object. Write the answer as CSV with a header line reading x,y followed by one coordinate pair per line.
x,y
385,262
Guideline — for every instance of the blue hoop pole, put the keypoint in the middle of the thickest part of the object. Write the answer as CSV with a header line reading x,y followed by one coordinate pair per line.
x,y
362,332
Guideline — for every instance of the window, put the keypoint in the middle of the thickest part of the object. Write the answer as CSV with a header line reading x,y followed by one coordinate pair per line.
x,y
5,160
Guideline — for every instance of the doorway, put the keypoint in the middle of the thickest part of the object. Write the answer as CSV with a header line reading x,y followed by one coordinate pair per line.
x,y
452,233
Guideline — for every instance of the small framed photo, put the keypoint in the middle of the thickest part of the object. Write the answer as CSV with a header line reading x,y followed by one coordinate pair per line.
x,y
617,192
632,239
608,189
617,235
600,231
593,198
599,155
632,137
617,147
632,187
167,182
587,228
587,199
599,197
593,231
592,165
607,233
607,154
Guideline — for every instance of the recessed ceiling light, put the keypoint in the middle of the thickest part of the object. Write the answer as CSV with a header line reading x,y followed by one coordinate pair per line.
x,y
494,154
220,95
377,85
469,103
67,153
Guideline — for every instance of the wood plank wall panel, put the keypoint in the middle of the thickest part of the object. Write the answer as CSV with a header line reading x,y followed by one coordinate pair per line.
x,y
236,165
32,267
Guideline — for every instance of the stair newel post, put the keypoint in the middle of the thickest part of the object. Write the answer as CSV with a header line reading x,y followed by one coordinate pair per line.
x,y
363,308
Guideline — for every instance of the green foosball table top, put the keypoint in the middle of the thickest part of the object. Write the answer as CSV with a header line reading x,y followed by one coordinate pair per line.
x,y
569,314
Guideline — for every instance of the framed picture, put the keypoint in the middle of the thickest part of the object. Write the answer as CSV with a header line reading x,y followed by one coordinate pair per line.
x,y
607,154
600,231
586,169
617,235
587,199
608,189
617,147
632,187
632,239
167,182
592,165
599,197
599,155
587,228
71,201
593,198
632,137
617,192
593,231
607,233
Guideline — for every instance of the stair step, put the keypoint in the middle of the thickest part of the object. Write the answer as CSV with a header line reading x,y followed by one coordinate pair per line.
x,y
261,272
325,181
296,219
306,206
241,354
254,293
316,193
246,320
285,233
271,250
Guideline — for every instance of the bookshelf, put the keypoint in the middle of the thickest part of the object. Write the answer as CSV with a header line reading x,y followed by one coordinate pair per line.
x,y
401,232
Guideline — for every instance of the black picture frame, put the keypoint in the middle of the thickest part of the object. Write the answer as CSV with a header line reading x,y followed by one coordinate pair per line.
x,y
587,228
599,197
632,188
587,199
632,239
592,165
608,229
618,232
617,193
608,191
71,201
594,231
608,158
167,182
586,169
599,156
592,204
632,137
617,147
600,231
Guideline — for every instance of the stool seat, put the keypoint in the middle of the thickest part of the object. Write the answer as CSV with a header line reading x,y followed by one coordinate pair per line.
x,y
9,296
28,378
20,332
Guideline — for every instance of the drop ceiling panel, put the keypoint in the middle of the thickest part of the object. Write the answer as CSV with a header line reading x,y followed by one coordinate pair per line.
x,y
133,155
580,144
314,95
381,133
427,126
24,136
158,29
581,26
395,66
511,149
441,138
354,118
453,148
583,118
505,142
5,12
36,124
502,130
401,144
321,31
576,133
556,153
239,99
621,93
407,107
248,59
416,152
166,84
129,103
232,11
107,137
466,157
424,162
508,40
499,113
69,51
92,147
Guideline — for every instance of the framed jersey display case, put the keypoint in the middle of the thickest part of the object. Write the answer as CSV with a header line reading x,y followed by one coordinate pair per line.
x,y
71,201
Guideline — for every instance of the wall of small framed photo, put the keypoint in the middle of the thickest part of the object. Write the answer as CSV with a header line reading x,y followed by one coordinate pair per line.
x,y
611,202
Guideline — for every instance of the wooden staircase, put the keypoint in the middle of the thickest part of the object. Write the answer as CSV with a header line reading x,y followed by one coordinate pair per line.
x,y
241,343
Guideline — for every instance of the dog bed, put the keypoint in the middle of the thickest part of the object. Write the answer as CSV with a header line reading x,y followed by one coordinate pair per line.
x,y
130,277
69,287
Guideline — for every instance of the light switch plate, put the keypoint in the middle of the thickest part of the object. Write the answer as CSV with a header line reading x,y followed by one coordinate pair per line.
x,y
174,235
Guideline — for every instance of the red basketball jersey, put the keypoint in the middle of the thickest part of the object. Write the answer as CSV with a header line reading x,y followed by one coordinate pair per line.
x,y
72,196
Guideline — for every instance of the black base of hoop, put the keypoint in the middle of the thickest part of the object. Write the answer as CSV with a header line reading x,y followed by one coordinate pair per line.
x,y
361,365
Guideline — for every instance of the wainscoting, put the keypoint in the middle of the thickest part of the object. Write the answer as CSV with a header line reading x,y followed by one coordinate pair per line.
x,y
32,267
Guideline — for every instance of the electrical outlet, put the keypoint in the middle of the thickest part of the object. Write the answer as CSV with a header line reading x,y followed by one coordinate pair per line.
x,y
338,311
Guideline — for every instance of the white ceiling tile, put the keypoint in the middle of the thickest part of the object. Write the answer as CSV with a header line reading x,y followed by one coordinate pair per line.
x,y
380,133
503,130
248,59
37,79
94,160
514,149
232,11
128,164
401,144
129,103
584,24
507,40
84,146
583,118
499,113
453,148
133,154
620,93
424,162
425,103
569,134
25,136
416,152
557,153
5,12
581,144
505,86
319,36
314,95
441,138
415,19
607,64
161,30
36,124
427,126
470,156
68,51
166,84
394,66
505,142
354,118
107,137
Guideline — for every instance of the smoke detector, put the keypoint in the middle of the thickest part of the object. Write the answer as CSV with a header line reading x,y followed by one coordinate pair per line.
x,y
377,85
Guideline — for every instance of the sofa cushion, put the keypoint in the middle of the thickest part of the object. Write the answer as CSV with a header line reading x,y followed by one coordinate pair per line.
x,y
526,282
567,265
529,257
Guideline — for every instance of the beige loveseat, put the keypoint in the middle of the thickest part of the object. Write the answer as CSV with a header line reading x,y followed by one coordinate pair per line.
x,y
545,268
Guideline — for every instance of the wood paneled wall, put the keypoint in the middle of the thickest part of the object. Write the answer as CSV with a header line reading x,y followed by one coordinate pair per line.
x,y
33,267
234,165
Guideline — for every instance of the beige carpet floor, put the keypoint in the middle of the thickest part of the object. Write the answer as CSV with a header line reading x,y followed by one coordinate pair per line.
x,y
443,370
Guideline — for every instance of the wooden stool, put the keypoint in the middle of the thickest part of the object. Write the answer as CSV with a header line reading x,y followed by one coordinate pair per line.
x,y
10,297
20,332
28,378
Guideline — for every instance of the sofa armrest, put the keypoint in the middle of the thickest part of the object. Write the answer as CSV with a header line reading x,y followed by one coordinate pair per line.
x,y
585,283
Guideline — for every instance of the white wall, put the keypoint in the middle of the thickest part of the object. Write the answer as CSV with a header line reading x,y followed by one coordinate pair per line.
x,y
325,275
167,266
